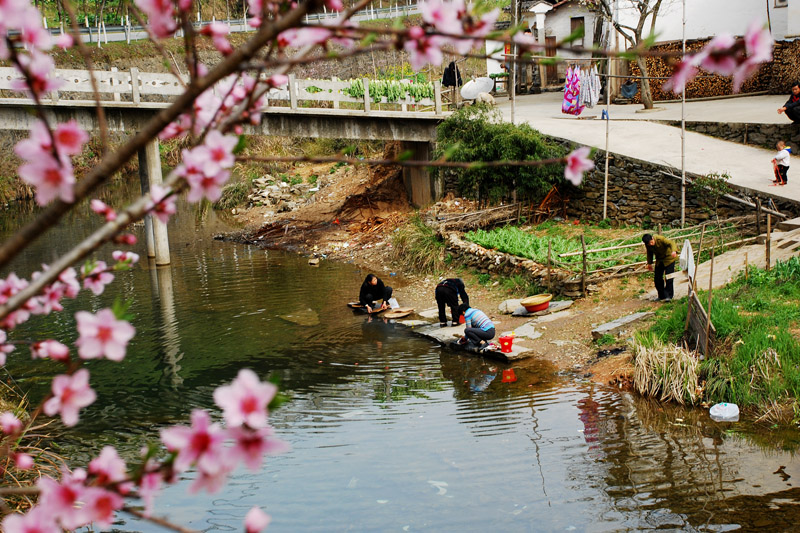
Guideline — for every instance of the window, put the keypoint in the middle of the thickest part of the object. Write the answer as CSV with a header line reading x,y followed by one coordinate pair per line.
x,y
574,24
781,3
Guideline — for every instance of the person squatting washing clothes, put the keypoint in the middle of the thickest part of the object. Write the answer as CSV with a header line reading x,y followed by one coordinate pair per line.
x,y
447,293
373,290
477,326
665,251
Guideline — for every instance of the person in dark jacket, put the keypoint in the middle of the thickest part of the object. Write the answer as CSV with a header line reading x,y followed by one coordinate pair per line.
x,y
373,290
447,293
792,106
665,251
451,76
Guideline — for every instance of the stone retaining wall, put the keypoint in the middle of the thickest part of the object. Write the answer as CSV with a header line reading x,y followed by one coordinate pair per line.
x,y
638,193
494,262
761,135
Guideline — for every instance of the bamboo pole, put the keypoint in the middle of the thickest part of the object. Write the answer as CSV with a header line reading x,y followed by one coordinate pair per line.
x,y
746,265
710,290
758,215
583,274
549,248
693,279
769,238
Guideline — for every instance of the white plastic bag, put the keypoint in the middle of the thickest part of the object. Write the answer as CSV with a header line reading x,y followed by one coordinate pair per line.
x,y
724,412
686,259
393,303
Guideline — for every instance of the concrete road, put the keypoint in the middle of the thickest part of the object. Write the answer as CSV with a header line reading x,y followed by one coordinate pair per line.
x,y
636,135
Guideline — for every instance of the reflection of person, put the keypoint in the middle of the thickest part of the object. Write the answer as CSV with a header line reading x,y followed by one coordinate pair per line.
x,y
373,290
481,383
792,106
477,326
375,329
447,293
665,251
781,163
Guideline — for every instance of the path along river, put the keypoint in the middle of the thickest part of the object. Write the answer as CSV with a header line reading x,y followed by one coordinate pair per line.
x,y
388,432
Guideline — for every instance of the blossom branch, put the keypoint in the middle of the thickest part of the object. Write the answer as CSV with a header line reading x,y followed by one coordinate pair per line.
x,y
111,163
163,522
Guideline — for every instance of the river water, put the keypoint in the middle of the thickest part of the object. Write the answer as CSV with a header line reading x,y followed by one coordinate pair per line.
x,y
387,431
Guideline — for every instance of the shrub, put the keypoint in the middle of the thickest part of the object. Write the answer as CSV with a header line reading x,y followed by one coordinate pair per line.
x,y
476,133
417,247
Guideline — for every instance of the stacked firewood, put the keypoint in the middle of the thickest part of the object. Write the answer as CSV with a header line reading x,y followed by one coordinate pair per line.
x,y
776,77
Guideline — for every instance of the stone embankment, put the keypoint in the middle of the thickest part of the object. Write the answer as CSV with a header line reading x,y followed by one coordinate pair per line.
x,y
761,135
640,192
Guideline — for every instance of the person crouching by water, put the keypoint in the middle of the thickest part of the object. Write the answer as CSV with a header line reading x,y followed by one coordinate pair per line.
x,y
665,251
447,293
373,290
477,326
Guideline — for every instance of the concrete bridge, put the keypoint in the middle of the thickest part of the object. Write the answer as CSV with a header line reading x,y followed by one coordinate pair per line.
x,y
303,108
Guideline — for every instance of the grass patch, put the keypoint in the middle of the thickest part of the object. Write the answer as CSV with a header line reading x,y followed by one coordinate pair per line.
x,y
757,358
606,340
416,247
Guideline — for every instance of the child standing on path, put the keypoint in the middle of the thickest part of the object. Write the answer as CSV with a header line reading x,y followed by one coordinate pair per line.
x,y
781,163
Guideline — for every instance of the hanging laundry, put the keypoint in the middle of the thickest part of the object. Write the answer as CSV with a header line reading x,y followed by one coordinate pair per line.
x,y
570,104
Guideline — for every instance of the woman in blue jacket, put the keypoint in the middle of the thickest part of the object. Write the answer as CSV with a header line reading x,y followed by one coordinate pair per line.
x,y
478,327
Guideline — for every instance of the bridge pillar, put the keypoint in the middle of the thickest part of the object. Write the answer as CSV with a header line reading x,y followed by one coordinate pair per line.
x,y
421,188
155,230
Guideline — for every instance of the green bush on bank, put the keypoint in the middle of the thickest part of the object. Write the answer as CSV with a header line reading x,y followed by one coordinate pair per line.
x,y
757,360
477,133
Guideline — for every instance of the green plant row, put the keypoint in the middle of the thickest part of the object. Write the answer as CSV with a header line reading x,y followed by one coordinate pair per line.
x,y
392,90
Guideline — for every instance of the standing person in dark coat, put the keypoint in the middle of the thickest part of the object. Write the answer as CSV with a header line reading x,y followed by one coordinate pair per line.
x,y
447,293
792,105
373,290
665,251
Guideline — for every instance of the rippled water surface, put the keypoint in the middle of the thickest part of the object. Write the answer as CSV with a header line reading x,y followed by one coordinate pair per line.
x,y
388,432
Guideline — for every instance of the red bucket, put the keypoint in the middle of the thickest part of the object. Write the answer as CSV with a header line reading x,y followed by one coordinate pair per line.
x,y
505,343
462,320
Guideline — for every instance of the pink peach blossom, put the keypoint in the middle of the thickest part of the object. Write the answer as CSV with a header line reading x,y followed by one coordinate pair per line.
x,y
37,520
684,72
162,203
758,42
70,395
149,486
713,56
126,257
108,467
62,499
99,506
52,179
63,41
245,400
5,348
250,446
422,49
200,444
50,349
70,138
101,208
96,277
160,15
23,461
256,520
102,335
69,278
444,16
578,162
10,423
300,37
40,68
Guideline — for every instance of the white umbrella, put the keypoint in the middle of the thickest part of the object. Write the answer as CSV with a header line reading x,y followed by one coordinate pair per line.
x,y
473,88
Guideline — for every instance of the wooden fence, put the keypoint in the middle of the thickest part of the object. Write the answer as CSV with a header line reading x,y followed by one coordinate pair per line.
x,y
132,85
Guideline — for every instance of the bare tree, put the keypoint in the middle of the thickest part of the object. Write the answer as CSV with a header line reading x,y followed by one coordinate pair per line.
x,y
647,11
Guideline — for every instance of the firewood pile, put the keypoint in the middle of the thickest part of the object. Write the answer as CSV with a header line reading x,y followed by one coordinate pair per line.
x,y
775,77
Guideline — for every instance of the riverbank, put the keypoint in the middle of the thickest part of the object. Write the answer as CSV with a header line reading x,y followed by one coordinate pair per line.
x,y
355,216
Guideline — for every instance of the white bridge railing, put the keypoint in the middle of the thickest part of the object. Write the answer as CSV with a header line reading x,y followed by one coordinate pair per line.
x,y
123,88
